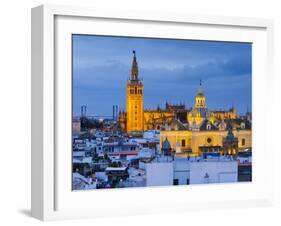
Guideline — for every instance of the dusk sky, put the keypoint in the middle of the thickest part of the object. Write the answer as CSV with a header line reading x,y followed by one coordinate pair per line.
x,y
170,69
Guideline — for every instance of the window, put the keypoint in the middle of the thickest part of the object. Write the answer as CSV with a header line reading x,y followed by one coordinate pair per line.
x,y
208,127
243,141
209,140
136,90
176,182
187,181
242,125
183,143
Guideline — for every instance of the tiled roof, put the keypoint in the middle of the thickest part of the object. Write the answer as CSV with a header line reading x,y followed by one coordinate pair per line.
x,y
204,124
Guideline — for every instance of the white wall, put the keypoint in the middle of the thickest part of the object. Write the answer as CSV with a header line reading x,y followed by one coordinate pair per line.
x,y
218,172
181,170
159,174
15,109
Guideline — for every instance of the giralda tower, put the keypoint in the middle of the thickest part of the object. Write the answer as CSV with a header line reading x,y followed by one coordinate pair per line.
x,y
134,99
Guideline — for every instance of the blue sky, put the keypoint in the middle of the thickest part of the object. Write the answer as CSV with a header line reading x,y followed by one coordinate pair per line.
x,y
170,69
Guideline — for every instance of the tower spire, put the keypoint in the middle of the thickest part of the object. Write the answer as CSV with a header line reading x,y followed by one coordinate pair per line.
x,y
134,70
200,90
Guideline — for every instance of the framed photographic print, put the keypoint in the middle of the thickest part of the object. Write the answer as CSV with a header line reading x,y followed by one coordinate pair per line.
x,y
144,113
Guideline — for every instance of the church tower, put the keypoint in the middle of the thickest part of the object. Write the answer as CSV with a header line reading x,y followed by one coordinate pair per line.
x,y
230,143
200,100
199,111
134,99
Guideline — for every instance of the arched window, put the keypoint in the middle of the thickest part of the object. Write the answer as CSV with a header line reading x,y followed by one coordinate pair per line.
x,y
242,125
208,127
243,141
136,90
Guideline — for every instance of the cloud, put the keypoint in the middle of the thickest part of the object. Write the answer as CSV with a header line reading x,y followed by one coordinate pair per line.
x,y
215,69
170,70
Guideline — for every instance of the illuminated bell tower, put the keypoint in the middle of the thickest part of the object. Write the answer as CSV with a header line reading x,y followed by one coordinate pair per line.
x,y
134,99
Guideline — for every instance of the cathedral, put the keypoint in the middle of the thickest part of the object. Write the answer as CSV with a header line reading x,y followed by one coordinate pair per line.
x,y
138,119
223,132
188,131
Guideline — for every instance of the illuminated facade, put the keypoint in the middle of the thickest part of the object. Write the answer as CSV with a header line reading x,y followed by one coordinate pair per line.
x,y
208,131
189,131
156,119
185,142
224,114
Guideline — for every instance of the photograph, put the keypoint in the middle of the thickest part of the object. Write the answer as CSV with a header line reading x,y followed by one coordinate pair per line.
x,y
160,112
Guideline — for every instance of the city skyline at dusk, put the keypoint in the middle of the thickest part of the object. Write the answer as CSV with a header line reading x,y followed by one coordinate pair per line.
x,y
160,112
170,70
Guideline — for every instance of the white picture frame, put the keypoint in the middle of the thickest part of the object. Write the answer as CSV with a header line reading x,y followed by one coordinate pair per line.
x,y
52,197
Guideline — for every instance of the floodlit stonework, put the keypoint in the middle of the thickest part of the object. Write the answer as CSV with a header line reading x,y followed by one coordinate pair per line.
x,y
201,130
